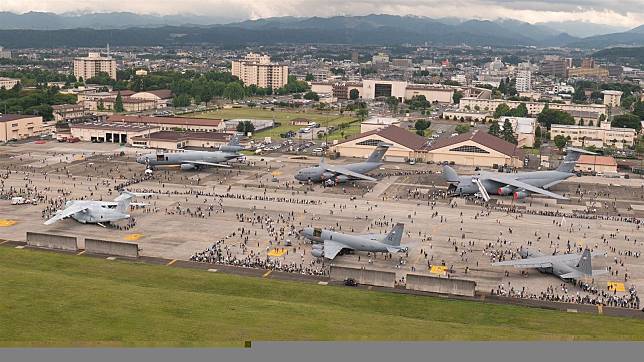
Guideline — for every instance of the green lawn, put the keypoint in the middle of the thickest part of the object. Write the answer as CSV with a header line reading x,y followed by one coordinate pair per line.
x,y
283,117
53,299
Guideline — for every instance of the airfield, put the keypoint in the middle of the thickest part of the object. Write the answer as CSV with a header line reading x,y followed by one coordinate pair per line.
x,y
191,211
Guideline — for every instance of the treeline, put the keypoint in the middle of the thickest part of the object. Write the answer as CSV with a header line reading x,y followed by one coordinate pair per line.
x,y
32,101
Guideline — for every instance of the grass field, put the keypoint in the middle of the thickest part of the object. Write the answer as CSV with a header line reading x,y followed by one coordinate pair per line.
x,y
283,117
51,299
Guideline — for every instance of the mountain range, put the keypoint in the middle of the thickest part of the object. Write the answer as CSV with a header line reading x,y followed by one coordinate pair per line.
x,y
28,30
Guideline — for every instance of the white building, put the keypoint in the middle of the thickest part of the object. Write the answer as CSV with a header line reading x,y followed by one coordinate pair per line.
x,y
89,66
523,128
5,53
257,69
524,81
380,58
8,83
612,98
600,137
372,89
376,123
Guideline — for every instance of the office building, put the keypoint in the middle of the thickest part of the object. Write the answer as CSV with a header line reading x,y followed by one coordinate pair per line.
x,y
380,58
612,98
578,111
257,69
524,81
18,127
600,137
554,66
8,83
89,66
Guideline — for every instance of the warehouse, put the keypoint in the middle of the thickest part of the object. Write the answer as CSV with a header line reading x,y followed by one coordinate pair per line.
x,y
169,140
172,123
109,132
476,148
405,145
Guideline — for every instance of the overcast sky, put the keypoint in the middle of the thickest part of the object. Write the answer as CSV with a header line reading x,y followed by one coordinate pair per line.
x,y
628,13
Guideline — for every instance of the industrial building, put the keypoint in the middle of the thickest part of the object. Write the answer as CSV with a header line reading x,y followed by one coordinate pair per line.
x,y
68,112
18,127
172,123
476,148
169,140
109,132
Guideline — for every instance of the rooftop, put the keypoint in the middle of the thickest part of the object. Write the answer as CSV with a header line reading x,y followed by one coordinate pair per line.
x,y
121,127
597,160
180,121
396,135
182,136
482,138
13,117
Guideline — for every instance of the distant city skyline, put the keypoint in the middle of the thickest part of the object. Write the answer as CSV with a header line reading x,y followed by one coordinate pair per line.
x,y
626,13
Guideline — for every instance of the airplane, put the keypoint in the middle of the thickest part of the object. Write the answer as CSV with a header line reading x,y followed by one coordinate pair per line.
x,y
97,212
195,160
332,242
333,174
565,266
520,185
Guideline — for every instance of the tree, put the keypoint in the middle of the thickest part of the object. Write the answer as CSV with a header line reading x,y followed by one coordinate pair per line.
x,y
181,100
312,96
456,97
392,103
354,94
548,117
502,110
627,120
234,91
362,113
118,103
508,133
494,129
560,141
521,110
420,132
638,110
309,77
245,127
462,128
422,124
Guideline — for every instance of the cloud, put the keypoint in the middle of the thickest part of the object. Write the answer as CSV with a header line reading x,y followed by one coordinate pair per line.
x,y
612,12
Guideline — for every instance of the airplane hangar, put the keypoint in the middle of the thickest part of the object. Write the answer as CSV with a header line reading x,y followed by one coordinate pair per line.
x,y
404,144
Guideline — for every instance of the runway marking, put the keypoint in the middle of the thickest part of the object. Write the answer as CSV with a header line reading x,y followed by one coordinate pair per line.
x,y
133,237
267,274
172,262
616,286
323,283
82,252
438,269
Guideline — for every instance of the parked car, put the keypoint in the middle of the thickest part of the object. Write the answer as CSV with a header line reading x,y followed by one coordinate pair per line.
x,y
350,282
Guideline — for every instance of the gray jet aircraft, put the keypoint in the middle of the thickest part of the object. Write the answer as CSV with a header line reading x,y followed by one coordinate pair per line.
x,y
565,266
195,160
520,185
331,243
333,174
97,212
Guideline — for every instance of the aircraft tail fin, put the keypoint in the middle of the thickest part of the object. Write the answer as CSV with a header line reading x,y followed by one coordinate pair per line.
x,y
234,140
395,235
450,175
585,265
125,198
379,152
570,160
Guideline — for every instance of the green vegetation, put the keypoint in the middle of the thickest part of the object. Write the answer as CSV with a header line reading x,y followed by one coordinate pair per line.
x,y
508,133
462,128
503,110
560,141
548,117
54,299
627,121
118,103
32,101
245,127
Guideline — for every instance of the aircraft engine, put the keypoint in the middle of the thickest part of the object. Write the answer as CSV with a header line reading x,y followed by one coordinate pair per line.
x,y
318,253
226,148
188,167
341,178
505,190
521,195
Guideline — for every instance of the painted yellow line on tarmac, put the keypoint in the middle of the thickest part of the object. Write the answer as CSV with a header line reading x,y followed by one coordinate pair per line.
x,y
267,274
82,252
172,262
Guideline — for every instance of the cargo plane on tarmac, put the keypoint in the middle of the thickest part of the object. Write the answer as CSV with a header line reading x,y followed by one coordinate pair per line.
x,y
333,174
97,212
195,160
520,185
565,266
331,243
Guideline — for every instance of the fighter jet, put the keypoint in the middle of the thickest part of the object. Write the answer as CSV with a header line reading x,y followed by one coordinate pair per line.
x,y
331,243
97,212
565,266
333,174
520,185
195,160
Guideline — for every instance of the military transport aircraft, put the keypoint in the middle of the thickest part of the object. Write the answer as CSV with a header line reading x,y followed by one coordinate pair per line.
x,y
520,185
333,174
194,160
97,212
565,266
332,242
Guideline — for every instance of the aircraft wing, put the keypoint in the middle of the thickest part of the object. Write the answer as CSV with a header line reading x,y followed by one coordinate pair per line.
x,y
344,171
332,248
523,185
539,261
204,163
69,211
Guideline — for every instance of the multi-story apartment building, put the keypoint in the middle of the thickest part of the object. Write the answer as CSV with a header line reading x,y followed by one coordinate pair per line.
x,y
257,69
89,66
600,137
585,111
